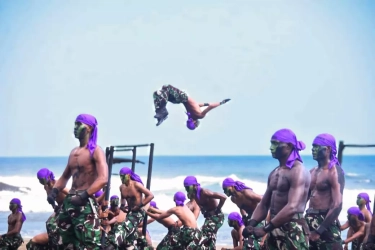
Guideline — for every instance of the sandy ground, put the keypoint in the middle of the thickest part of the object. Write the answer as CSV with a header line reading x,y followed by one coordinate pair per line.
x,y
26,240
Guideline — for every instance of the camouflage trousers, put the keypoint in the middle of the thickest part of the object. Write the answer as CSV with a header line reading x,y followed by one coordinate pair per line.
x,y
33,246
116,236
252,243
54,237
79,226
290,236
133,219
190,238
330,239
209,230
169,93
10,242
171,240
356,245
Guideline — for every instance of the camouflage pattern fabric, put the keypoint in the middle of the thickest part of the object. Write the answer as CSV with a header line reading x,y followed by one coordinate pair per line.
x,y
33,246
190,238
356,245
290,236
169,93
54,237
330,239
252,243
171,240
10,242
209,230
79,225
133,219
116,236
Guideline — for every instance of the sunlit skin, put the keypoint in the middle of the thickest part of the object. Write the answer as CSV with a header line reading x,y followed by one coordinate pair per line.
x,y
362,206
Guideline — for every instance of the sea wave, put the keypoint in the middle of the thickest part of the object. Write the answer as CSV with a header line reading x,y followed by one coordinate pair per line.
x,y
34,200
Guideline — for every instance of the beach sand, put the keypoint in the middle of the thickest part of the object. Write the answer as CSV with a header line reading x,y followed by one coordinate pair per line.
x,y
26,240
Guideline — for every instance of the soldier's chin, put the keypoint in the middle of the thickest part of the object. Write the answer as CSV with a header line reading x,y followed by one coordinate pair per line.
x,y
273,155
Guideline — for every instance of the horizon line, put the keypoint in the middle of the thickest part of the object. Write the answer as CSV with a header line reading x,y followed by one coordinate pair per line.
x,y
190,155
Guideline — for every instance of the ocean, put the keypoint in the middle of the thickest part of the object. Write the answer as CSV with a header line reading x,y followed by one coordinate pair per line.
x,y
167,178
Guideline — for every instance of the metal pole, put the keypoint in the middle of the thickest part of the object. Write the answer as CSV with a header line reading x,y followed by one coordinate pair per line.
x,y
148,185
109,158
134,158
341,149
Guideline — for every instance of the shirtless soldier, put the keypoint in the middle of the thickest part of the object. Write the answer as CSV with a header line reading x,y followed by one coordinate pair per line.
x,y
246,200
190,235
170,241
285,197
78,221
176,96
132,190
357,229
326,192
51,239
211,210
13,239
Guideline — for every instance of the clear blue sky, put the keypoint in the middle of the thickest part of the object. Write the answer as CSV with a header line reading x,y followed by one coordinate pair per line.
x,y
304,65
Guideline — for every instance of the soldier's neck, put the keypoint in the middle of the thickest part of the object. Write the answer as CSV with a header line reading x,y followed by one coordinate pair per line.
x,y
323,163
84,141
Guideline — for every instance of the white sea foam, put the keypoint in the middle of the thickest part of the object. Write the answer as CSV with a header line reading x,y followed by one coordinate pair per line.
x,y
163,189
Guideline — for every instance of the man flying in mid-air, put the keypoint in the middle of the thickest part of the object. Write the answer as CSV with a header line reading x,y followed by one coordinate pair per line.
x,y
176,96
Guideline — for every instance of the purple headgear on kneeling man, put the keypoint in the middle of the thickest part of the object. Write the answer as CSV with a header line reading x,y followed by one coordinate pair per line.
x,y
236,217
45,173
179,198
19,207
357,212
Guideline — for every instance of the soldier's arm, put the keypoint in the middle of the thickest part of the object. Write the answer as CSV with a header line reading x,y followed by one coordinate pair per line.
x,y
63,180
260,212
148,195
102,172
215,195
356,235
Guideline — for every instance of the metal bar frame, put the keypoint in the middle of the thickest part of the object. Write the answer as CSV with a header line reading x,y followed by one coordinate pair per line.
x,y
109,158
342,146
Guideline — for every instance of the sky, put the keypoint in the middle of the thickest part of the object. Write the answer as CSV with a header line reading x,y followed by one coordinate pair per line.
x,y
303,65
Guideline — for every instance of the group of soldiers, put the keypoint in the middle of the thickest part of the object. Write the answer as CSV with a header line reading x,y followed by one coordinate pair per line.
x,y
275,220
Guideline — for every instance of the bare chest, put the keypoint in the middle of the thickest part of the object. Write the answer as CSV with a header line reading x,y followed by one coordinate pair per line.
x,y
279,180
320,181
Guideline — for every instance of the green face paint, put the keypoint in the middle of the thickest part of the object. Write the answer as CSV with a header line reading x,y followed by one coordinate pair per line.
x,y
79,130
227,191
43,181
12,206
360,201
125,178
115,202
318,151
189,190
231,223
274,146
